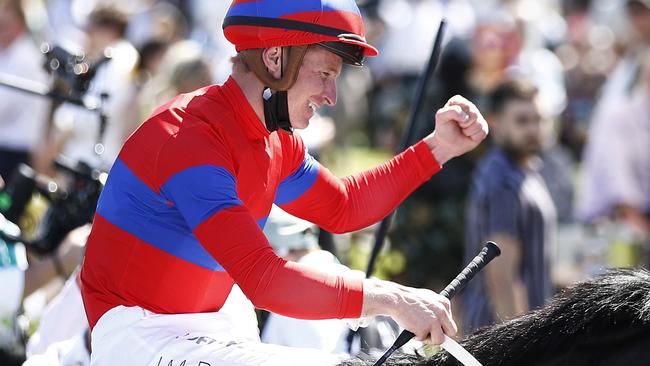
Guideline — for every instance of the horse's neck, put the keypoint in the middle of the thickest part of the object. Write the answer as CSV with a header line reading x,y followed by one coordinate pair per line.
x,y
621,347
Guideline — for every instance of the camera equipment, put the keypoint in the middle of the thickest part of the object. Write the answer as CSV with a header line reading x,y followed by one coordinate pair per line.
x,y
75,204
70,69
72,76
68,209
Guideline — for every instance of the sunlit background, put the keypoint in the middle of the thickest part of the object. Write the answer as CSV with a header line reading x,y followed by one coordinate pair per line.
x,y
590,61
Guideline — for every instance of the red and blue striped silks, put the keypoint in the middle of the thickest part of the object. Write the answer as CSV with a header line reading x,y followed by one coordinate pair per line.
x,y
179,220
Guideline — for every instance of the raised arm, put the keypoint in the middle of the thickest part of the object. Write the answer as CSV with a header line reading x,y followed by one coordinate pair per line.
x,y
204,192
341,205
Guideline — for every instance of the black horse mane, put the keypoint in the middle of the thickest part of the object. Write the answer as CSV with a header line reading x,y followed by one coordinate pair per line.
x,y
589,323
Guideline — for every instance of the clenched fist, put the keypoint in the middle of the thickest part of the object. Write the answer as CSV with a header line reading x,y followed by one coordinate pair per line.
x,y
460,127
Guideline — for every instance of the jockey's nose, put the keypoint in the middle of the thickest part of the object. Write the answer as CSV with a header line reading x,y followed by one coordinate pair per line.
x,y
330,92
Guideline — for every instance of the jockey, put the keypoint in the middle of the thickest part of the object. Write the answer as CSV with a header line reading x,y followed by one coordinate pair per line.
x,y
177,250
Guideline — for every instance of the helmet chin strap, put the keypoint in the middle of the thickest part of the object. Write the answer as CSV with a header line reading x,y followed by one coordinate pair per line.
x,y
274,96
276,110
276,104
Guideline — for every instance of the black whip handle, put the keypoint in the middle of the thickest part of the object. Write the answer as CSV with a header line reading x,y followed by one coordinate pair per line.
x,y
487,254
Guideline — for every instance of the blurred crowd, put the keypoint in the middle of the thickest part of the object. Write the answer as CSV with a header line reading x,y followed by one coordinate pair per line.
x,y
564,84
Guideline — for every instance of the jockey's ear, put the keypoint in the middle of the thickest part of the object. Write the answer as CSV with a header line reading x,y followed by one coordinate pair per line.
x,y
276,67
272,59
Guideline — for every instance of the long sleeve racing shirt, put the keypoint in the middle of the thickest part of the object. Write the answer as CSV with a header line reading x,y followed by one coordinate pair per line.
x,y
180,218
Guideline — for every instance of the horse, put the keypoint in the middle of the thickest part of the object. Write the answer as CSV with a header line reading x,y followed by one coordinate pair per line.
x,y
600,321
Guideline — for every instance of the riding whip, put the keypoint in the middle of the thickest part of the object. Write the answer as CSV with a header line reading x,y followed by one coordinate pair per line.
x,y
407,136
489,252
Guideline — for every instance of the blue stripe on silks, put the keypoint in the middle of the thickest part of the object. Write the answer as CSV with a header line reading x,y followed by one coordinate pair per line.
x,y
132,206
261,222
201,191
299,182
280,8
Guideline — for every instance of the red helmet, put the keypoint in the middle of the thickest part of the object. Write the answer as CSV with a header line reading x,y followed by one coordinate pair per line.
x,y
334,24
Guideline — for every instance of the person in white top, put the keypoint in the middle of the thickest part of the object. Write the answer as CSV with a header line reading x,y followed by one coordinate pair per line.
x,y
296,240
616,180
22,115
77,129
62,337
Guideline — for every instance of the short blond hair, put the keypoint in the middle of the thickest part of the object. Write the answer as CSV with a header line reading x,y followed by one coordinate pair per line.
x,y
239,62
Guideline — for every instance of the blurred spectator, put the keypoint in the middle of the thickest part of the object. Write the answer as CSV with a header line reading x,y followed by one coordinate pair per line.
x,y
495,46
433,214
556,170
64,19
70,352
588,54
21,275
603,46
297,240
61,337
78,130
181,69
409,28
610,190
623,78
13,264
416,21
22,116
151,53
558,163
617,161
510,204
59,264
509,39
614,185
158,20
207,18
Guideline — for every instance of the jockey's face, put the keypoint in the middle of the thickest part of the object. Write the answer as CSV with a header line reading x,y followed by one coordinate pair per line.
x,y
315,85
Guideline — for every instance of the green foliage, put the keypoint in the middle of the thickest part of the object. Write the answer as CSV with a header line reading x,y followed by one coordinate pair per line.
x,y
390,263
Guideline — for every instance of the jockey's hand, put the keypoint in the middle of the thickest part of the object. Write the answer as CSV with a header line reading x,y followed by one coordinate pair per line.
x,y
460,127
422,312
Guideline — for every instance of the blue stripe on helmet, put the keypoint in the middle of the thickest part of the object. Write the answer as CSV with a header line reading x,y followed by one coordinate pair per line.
x,y
280,8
